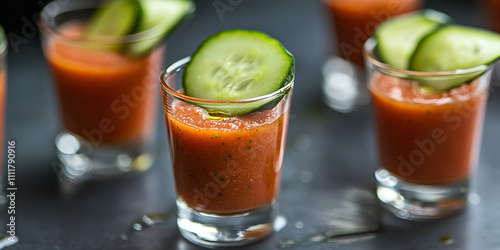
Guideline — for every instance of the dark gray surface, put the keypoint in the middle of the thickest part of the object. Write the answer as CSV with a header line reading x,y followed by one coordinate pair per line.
x,y
336,150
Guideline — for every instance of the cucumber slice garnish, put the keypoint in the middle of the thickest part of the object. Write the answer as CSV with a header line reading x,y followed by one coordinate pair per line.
x,y
151,20
237,65
456,47
3,44
116,18
162,16
398,37
452,48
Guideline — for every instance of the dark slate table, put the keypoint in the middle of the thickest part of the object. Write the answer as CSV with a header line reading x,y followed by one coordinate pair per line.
x,y
327,187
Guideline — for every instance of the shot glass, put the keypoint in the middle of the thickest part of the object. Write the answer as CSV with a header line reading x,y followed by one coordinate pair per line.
x,y
353,22
107,99
227,169
3,97
428,143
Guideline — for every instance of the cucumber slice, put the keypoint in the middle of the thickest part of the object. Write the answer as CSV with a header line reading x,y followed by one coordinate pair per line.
x,y
456,47
237,65
151,20
398,37
162,16
114,19
3,46
453,48
3,41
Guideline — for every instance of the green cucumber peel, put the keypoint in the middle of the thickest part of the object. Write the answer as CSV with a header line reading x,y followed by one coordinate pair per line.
x,y
3,40
3,46
136,27
241,67
453,48
113,20
398,37
448,55
159,19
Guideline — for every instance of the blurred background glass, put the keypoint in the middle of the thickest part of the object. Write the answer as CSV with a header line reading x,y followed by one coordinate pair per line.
x,y
352,23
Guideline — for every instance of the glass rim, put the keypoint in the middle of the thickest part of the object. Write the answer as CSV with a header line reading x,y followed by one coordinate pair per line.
x,y
175,67
371,58
48,27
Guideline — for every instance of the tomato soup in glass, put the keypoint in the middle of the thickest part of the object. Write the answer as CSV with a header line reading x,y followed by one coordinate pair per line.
x,y
227,169
427,141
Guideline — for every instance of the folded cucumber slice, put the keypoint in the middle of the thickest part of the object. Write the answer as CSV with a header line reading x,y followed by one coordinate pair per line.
x,y
237,65
162,16
452,48
114,19
398,37
151,20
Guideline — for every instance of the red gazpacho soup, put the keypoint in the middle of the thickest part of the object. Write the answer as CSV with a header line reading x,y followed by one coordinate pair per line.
x,y
427,138
226,165
355,20
105,97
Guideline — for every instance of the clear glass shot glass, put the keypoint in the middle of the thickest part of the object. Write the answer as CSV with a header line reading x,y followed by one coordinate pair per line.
x,y
108,99
227,169
3,102
428,143
353,22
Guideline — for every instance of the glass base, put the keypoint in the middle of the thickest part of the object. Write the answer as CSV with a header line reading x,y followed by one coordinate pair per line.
x,y
225,230
420,202
344,86
82,161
